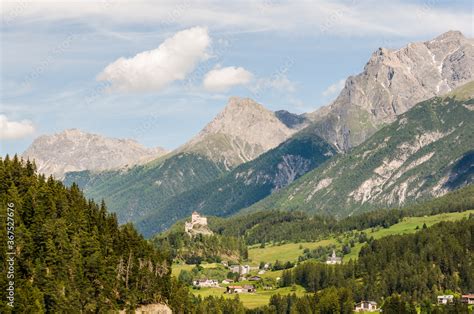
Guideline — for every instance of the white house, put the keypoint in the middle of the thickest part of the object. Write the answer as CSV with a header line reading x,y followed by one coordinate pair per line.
x,y
366,306
445,299
334,259
242,269
467,298
206,283
240,289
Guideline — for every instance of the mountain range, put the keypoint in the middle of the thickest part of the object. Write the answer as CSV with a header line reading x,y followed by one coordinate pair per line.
x,y
241,132
383,141
75,150
424,153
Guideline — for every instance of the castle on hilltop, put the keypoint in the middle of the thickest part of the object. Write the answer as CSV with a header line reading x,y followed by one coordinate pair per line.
x,y
198,224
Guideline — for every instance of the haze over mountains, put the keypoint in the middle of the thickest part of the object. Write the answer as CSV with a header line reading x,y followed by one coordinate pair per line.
x,y
390,152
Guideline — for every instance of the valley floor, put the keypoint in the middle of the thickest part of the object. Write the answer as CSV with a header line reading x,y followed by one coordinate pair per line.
x,y
291,251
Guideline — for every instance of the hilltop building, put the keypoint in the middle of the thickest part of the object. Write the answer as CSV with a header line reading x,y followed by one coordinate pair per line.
x,y
197,225
333,260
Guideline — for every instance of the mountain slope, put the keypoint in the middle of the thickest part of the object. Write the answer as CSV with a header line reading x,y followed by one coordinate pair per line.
x,y
392,82
425,152
246,184
241,132
75,150
136,192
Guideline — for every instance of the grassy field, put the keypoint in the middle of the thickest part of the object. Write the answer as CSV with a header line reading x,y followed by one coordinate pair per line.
x,y
291,251
177,268
250,300
285,252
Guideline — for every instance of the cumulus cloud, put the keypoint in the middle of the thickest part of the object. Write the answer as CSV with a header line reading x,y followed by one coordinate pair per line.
x,y
335,88
153,70
10,130
221,79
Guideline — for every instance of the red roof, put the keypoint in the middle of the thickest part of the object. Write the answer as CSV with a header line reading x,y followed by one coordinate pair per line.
x,y
471,295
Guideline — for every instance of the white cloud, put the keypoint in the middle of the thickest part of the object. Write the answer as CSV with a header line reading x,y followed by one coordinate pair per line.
x,y
153,70
335,88
278,82
221,79
10,130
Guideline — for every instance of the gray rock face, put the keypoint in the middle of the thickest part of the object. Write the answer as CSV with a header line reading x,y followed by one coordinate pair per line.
x,y
392,82
240,133
74,150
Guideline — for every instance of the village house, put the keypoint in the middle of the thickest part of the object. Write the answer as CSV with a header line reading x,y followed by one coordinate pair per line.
x,y
467,298
227,281
333,259
445,299
242,269
206,283
366,306
240,289
255,278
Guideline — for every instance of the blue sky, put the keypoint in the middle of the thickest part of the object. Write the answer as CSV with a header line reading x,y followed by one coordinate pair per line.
x,y
61,63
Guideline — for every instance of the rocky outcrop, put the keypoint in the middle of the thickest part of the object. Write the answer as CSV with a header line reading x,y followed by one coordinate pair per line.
x,y
75,150
392,82
240,133
156,308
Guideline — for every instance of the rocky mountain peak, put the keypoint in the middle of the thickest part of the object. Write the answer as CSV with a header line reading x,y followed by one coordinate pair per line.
x,y
76,150
392,82
450,36
243,130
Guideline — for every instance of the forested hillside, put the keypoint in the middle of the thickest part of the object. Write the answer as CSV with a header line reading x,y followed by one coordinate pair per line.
x,y
70,254
276,226
246,184
143,189
426,152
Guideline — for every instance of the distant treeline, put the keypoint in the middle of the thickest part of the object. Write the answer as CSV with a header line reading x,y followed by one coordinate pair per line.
x,y
277,226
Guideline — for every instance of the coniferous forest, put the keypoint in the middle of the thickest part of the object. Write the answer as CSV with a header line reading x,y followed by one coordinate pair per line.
x,y
70,254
